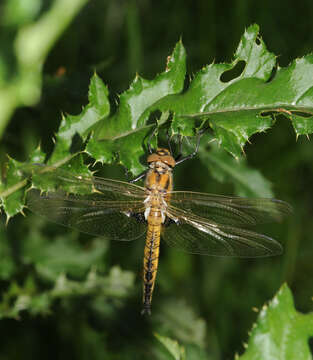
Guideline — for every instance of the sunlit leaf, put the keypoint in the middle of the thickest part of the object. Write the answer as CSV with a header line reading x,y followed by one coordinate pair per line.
x,y
280,332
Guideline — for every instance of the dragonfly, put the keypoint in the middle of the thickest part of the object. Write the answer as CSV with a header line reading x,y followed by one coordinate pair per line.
x,y
194,222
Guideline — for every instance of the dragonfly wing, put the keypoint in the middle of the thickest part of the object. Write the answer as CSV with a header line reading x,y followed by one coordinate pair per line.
x,y
56,178
230,210
115,219
196,235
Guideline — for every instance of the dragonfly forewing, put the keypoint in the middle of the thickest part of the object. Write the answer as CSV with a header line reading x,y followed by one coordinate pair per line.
x,y
96,206
230,210
52,178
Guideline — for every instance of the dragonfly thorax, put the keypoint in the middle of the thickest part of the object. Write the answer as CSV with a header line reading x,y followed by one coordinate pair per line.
x,y
158,184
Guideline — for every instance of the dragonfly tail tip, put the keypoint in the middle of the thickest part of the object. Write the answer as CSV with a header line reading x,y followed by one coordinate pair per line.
x,y
146,310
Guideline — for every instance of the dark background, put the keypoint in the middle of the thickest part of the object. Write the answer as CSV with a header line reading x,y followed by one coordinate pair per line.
x,y
117,39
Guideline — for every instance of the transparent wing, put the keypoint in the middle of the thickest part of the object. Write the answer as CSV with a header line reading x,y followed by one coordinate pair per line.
x,y
197,235
96,206
230,210
56,178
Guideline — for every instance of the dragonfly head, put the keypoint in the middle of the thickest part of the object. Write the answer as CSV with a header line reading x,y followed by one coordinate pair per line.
x,y
161,156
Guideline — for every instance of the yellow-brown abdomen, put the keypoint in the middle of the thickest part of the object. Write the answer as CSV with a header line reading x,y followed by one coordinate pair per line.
x,y
150,264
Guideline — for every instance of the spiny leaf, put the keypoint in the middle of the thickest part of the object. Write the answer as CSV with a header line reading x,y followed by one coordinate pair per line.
x,y
280,331
248,103
71,125
235,109
11,195
12,184
44,178
123,135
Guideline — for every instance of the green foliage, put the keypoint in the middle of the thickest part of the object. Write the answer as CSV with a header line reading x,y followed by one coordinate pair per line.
x,y
247,181
34,38
232,115
123,134
280,331
58,277
67,269
97,108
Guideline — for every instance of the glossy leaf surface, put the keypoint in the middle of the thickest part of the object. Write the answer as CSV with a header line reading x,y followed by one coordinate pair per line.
x,y
280,332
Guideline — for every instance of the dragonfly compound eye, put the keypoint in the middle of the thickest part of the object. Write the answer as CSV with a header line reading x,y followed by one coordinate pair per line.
x,y
162,155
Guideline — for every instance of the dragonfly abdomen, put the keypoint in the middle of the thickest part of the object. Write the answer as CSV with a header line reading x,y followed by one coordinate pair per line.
x,y
150,264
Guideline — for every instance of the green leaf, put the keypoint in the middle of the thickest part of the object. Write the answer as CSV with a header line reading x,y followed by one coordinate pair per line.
x,y
13,181
43,176
11,195
280,331
37,156
29,49
122,135
71,125
247,104
248,182
235,109
177,351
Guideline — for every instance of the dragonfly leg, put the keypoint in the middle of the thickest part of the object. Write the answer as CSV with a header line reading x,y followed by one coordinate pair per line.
x,y
190,156
139,177
194,153
140,217
150,149
169,141
168,221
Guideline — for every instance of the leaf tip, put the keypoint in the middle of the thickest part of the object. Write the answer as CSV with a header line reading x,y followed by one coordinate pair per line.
x,y
253,28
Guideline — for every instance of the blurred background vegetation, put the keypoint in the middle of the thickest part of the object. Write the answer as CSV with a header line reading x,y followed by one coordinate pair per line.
x,y
204,303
